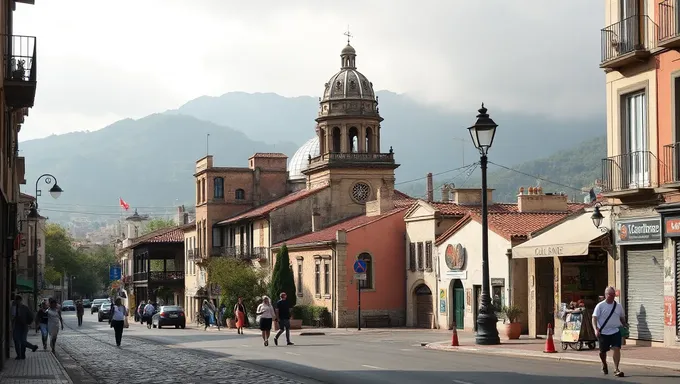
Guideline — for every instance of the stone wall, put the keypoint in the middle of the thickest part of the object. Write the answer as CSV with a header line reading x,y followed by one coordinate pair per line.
x,y
348,318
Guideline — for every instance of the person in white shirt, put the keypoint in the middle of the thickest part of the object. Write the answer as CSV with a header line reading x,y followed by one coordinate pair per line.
x,y
147,316
118,314
267,314
608,317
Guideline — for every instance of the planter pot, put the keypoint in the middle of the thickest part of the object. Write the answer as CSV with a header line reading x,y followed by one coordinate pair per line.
x,y
513,330
231,323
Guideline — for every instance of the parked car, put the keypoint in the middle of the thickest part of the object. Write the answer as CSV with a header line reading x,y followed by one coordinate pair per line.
x,y
168,315
68,305
104,312
87,303
96,304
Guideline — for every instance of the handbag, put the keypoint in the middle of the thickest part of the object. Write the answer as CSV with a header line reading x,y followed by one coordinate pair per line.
x,y
625,332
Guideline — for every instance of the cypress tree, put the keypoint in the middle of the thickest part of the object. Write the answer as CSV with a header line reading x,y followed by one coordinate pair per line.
x,y
282,278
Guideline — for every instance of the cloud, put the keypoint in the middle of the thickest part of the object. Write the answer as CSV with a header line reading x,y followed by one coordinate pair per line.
x,y
130,58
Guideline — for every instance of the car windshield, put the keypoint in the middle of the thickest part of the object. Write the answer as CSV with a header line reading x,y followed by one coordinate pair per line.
x,y
98,301
86,301
68,302
171,308
106,305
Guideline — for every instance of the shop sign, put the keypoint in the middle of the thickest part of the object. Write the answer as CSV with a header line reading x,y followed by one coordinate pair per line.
x,y
549,250
497,282
672,226
669,310
442,301
638,231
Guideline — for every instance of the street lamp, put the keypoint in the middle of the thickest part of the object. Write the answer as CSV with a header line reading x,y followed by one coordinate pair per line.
x,y
55,192
597,218
482,133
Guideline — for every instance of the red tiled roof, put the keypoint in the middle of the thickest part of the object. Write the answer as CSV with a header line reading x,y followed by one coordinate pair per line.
x,y
402,200
163,235
270,155
329,233
265,209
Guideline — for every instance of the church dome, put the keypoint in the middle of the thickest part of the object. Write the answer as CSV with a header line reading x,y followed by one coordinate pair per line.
x,y
348,83
300,159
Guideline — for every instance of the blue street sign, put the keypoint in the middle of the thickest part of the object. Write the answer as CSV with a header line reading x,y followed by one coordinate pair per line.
x,y
359,266
114,272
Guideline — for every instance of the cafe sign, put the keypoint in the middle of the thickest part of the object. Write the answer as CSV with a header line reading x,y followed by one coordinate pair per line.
x,y
672,226
638,231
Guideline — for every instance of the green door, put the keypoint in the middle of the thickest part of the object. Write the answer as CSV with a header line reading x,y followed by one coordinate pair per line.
x,y
459,307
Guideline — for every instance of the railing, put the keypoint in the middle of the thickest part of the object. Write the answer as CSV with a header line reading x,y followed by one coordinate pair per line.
x,y
140,276
631,34
353,157
254,253
20,58
632,170
671,161
158,276
668,19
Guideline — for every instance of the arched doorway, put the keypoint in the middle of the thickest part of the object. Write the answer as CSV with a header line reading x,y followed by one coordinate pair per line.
x,y
457,307
424,312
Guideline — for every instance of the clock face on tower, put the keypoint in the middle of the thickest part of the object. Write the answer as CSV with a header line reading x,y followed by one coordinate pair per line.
x,y
361,192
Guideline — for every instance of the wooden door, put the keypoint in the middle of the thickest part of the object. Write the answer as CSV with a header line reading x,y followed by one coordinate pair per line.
x,y
459,305
424,311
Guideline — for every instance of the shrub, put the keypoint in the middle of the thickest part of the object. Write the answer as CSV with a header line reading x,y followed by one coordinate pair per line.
x,y
309,313
282,278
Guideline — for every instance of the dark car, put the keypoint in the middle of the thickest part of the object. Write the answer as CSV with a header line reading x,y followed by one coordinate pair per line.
x,y
87,303
104,312
68,305
169,315
96,304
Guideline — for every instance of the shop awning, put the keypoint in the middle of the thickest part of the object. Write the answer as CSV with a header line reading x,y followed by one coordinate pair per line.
x,y
572,237
23,285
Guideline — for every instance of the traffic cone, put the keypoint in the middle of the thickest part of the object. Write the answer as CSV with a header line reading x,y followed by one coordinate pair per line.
x,y
549,344
454,338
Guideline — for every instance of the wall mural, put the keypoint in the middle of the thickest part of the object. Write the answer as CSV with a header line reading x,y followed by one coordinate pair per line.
x,y
455,257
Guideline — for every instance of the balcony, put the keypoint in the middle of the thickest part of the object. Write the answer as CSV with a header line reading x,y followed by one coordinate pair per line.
x,y
627,42
365,158
158,276
671,169
254,253
629,174
20,68
669,30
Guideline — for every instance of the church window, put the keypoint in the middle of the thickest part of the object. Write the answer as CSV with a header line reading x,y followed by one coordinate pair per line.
x,y
361,192
336,139
369,140
354,140
352,85
240,194
338,85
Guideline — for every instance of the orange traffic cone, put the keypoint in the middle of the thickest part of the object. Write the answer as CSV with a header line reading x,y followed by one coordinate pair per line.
x,y
454,338
549,344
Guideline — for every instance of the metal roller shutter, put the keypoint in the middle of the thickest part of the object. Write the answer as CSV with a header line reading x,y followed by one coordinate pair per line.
x,y
644,294
677,285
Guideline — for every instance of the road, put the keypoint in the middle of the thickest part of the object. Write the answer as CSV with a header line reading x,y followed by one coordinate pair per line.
x,y
189,355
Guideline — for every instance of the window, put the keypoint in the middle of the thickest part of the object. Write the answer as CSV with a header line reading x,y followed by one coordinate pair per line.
x,y
327,277
428,255
216,237
412,256
317,277
218,188
299,278
420,256
240,194
497,296
368,283
636,160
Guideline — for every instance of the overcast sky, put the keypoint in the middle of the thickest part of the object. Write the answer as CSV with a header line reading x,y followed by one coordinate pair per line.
x,y
101,61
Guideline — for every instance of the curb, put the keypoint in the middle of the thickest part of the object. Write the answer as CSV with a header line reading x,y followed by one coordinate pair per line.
x,y
312,334
550,356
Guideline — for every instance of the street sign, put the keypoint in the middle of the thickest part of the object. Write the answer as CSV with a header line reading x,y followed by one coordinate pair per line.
x,y
114,272
360,266
359,276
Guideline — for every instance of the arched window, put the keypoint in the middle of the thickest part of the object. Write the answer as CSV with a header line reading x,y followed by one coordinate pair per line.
x,y
240,194
218,188
369,140
368,283
322,141
353,140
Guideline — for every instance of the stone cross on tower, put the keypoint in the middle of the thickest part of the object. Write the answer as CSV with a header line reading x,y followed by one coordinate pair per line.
x,y
348,34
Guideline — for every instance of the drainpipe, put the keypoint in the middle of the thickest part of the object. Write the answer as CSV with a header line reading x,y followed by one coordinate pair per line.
x,y
334,289
509,300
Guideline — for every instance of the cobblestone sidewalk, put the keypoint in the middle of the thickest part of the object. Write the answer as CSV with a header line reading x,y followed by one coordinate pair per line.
x,y
141,362
40,367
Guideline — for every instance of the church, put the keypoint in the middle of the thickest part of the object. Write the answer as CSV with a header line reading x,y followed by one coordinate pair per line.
x,y
334,202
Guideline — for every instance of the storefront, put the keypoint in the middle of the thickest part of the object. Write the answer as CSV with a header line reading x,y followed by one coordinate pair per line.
x,y
567,264
641,244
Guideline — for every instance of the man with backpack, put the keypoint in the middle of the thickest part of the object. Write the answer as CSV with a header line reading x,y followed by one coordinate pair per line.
x,y
22,317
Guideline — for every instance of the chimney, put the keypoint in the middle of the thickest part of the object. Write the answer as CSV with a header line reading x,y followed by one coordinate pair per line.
x,y
316,216
446,193
536,201
471,196
180,215
430,192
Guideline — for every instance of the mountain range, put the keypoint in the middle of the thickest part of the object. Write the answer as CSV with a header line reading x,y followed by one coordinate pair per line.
x,y
150,161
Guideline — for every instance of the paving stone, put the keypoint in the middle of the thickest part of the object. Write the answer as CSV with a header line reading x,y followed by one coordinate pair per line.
x,y
40,367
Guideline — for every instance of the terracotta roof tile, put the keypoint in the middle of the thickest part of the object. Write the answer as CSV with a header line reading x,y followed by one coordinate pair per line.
x,y
163,235
265,209
329,233
270,155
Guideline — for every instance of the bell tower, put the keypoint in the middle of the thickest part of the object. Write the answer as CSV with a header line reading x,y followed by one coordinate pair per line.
x,y
348,128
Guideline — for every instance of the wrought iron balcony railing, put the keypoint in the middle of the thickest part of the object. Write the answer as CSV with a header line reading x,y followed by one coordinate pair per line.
x,y
20,70
245,253
628,40
159,276
634,170
669,30
671,162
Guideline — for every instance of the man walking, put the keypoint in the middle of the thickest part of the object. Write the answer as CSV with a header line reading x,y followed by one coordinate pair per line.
x,y
608,317
21,318
283,316
80,311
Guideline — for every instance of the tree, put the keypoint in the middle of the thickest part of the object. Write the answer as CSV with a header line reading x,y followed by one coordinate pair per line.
x,y
158,223
282,278
237,278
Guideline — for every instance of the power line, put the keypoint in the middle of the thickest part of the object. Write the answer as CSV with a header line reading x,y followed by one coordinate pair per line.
x,y
436,174
536,177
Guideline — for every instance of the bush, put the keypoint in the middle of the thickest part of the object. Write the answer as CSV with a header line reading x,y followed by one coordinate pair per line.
x,y
236,279
309,313
282,278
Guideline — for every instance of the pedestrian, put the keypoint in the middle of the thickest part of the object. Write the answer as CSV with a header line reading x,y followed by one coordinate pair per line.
x,y
118,319
22,317
240,314
205,309
283,317
54,323
267,314
41,323
139,312
608,318
80,311
149,310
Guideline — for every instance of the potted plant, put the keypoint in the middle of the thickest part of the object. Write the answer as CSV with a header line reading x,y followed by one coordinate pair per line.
x,y
513,329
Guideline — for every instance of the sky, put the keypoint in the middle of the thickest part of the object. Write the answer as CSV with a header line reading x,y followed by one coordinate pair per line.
x,y
101,61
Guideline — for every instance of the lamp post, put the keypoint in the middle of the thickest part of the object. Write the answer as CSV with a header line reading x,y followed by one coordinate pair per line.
x,y
597,218
55,192
482,134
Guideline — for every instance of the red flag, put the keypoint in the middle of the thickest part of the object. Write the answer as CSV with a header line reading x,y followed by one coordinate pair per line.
x,y
123,204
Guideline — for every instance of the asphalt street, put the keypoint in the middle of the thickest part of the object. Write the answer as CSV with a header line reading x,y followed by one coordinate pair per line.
x,y
154,356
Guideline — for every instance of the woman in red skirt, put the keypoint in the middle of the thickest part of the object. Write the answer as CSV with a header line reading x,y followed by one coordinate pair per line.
x,y
240,312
